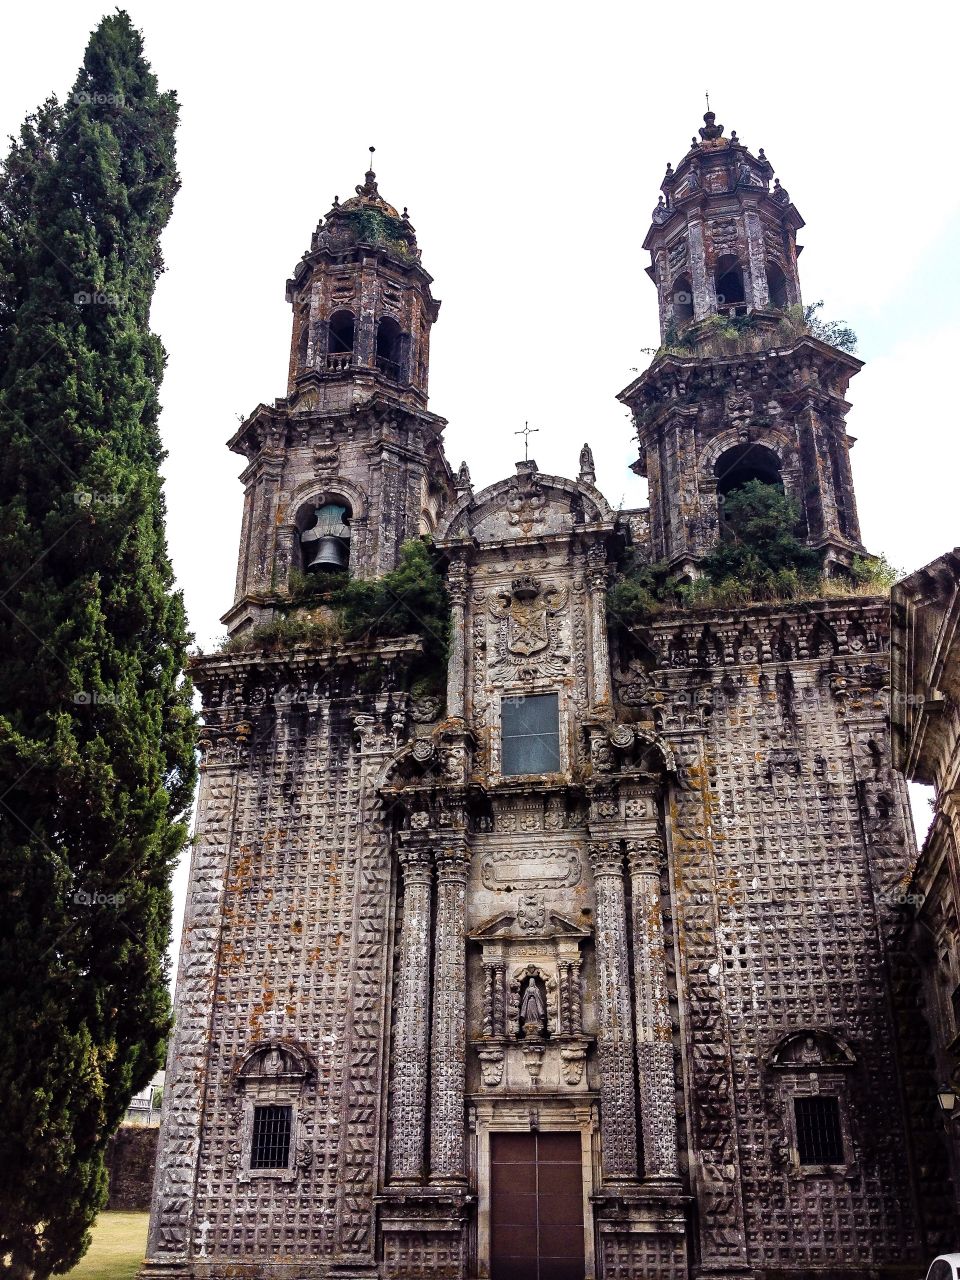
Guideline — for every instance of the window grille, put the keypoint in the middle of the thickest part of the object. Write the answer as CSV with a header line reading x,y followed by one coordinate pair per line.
x,y
819,1136
271,1137
530,738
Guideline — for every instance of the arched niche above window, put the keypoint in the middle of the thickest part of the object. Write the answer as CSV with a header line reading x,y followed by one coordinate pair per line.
x,y
274,1062
810,1050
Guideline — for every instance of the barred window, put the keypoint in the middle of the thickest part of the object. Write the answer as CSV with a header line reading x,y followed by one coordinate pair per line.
x,y
819,1136
530,734
271,1137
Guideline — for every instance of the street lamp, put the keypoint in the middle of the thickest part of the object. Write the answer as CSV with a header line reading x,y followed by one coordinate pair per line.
x,y
947,1099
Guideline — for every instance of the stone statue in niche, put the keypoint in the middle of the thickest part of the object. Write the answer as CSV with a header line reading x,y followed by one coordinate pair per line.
x,y
533,1009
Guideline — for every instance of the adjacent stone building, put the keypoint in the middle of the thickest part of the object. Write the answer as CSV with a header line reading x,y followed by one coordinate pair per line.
x,y
596,966
925,698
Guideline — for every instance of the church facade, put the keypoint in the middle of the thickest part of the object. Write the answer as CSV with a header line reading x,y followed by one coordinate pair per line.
x,y
588,958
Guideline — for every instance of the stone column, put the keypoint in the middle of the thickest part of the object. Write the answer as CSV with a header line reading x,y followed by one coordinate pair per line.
x,y
412,1032
449,1028
756,274
597,578
658,1112
701,281
618,1124
457,662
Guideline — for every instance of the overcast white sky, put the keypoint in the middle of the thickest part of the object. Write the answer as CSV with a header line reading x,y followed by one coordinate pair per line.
x,y
529,142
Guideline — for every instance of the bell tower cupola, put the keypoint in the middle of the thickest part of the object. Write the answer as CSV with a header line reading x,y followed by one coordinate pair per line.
x,y
349,465
741,389
362,306
722,240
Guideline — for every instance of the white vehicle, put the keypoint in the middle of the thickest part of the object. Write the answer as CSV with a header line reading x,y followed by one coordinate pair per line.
x,y
945,1267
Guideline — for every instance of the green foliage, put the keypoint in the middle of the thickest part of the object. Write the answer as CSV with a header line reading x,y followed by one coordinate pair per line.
x,y
371,226
410,599
719,335
315,586
96,731
760,552
837,333
875,572
637,595
283,633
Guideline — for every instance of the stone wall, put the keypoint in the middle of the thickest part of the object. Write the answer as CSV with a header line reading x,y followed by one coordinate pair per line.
x,y
131,1158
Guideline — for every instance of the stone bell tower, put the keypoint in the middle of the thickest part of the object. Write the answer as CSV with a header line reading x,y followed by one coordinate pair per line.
x,y
742,391
349,464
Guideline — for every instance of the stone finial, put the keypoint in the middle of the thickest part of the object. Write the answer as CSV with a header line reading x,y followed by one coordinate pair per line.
x,y
588,473
369,188
710,131
463,482
780,194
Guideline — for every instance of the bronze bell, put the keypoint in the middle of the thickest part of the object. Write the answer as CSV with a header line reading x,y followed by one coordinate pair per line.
x,y
331,533
331,554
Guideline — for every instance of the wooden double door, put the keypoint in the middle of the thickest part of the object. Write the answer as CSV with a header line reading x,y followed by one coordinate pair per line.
x,y
536,1203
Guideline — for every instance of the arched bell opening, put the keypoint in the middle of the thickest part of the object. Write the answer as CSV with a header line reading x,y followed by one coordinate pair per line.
x,y
776,285
728,279
391,349
681,297
737,467
324,533
341,330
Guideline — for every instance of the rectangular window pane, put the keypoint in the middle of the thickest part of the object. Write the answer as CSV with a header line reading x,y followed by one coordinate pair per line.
x,y
530,741
271,1137
819,1137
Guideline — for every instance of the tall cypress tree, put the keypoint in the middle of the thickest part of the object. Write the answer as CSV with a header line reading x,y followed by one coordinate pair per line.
x,y
96,732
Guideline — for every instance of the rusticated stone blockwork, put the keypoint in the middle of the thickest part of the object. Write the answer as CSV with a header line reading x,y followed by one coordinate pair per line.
x,y
790,845
595,965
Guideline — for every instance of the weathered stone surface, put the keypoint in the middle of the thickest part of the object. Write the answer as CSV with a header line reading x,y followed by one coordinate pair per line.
x,y
682,921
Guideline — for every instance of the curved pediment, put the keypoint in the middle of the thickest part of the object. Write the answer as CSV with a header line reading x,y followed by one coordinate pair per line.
x,y
529,504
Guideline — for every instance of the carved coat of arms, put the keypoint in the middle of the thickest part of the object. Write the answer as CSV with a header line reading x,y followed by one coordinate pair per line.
x,y
526,612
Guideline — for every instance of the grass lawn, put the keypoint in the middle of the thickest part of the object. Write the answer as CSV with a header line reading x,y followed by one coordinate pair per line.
x,y
119,1244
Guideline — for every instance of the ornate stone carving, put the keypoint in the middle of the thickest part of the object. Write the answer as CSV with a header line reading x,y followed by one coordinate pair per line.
x,y
532,868
411,1028
448,1027
615,1022
528,634
531,912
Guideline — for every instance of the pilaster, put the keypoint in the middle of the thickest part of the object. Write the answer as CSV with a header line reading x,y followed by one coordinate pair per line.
x,y
411,1039
654,1030
618,1126
449,1023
